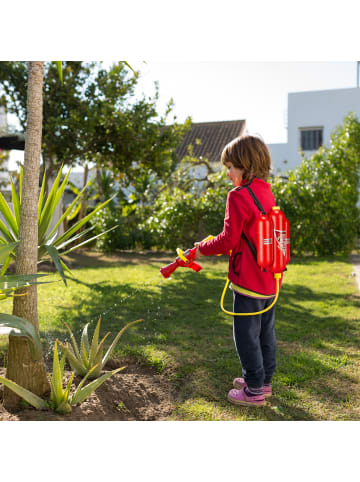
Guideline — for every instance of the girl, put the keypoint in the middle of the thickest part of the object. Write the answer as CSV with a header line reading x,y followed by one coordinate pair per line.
x,y
248,164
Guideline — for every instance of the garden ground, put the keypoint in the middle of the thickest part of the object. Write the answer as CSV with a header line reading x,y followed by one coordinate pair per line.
x,y
181,360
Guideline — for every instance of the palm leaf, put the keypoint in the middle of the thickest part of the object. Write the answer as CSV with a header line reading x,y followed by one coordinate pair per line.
x,y
59,68
5,265
41,196
15,203
8,216
47,212
74,213
7,234
26,329
20,182
16,281
74,238
81,223
56,259
66,213
6,249
65,267
88,240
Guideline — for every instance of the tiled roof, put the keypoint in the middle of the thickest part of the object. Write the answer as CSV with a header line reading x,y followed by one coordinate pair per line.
x,y
213,136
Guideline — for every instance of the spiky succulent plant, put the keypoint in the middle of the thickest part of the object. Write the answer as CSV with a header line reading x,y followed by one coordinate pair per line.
x,y
60,400
83,360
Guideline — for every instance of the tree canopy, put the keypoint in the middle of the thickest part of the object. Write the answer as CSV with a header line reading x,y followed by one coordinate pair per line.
x,y
93,116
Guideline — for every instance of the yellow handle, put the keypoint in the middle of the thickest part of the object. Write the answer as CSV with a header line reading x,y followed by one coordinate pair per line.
x,y
276,276
180,253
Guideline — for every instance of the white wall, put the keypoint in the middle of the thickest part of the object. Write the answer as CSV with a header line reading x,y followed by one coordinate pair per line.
x,y
324,108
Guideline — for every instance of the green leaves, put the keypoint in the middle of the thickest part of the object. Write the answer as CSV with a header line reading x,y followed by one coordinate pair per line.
x,y
89,360
49,242
6,250
320,196
59,68
26,329
82,393
60,400
28,396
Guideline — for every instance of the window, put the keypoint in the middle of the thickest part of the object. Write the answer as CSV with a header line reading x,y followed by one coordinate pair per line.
x,y
311,139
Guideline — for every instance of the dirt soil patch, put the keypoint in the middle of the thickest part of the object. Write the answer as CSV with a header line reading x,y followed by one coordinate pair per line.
x,y
135,393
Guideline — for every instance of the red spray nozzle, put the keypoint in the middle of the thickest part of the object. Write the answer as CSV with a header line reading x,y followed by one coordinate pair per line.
x,y
189,255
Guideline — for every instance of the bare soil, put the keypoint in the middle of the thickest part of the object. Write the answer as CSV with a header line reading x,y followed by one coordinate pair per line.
x,y
135,393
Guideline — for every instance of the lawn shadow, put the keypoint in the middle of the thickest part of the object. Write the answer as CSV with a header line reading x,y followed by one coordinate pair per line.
x,y
183,319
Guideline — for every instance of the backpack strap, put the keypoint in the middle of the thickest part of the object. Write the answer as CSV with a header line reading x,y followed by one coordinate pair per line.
x,y
260,208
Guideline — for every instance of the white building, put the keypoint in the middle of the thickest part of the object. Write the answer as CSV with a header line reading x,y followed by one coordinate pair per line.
x,y
312,116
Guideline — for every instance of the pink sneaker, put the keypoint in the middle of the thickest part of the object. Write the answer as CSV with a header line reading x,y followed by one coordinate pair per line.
x,y
240,383
239,397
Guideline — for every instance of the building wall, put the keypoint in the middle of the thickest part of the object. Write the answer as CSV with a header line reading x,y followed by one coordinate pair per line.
x,y
325,108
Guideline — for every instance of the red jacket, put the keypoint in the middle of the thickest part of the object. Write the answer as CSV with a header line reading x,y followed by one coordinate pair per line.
x,y
240,215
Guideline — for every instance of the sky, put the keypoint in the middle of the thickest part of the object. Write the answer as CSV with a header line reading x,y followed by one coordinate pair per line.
x,y
220,91
255,91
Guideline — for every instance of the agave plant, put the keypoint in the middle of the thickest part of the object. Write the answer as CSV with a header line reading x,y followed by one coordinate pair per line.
x,y
89,360
60,400
49,242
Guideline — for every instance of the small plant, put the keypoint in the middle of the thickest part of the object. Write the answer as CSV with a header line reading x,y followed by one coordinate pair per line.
x,y
60,400
89,360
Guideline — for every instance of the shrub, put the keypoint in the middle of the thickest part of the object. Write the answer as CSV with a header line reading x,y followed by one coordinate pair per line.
x,y
175,219
320,197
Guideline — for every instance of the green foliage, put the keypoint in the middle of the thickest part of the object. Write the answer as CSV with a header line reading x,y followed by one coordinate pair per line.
x,y
26,329
180,217
126,236
92,116
60,400
8,285
165,214
49,242
320,197
89,360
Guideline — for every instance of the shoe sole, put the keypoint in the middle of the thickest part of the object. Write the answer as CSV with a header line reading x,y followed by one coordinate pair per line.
x,y
246,404
239,387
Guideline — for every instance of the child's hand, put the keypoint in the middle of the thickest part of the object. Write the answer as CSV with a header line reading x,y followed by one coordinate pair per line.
x,y
198,253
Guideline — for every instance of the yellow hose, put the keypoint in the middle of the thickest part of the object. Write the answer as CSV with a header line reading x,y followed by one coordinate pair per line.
x,y
276,276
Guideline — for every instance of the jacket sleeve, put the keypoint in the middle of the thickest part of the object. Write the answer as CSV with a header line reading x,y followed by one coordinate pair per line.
x,y
229,238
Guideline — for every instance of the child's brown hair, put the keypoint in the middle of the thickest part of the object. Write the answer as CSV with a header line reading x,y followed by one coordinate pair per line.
x,y
249,153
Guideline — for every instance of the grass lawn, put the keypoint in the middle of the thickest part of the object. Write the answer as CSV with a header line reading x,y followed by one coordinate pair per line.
x,y
187,336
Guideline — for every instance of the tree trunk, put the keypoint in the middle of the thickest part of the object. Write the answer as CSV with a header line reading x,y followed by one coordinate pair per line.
x,y
21,368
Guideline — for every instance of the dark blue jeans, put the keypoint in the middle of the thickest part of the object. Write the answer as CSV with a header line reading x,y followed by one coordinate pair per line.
x,y
255,341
